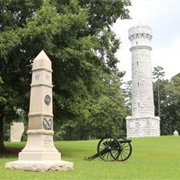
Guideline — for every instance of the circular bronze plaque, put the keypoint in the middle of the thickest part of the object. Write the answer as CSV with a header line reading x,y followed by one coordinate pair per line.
x,y
47,99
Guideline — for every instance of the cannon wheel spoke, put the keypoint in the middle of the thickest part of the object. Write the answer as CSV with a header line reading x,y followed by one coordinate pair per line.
x,y
108,148
125,151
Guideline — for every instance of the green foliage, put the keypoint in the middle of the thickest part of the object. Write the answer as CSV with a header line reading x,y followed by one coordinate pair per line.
x,y
17,13
127,89
158,73
104,13
167,102
14,70
108,111
165,122
173,90
77,37
2,99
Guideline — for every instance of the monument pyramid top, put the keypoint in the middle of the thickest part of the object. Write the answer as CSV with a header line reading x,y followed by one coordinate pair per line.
x,y
42,62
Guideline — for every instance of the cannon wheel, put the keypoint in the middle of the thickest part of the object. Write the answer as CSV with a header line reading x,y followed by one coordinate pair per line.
x,y
125,151
109,149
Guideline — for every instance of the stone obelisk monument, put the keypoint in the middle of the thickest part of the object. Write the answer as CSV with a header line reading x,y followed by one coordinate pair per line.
x,y
142,123
40,153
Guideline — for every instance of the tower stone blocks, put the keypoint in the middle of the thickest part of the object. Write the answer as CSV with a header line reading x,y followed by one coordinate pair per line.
x,y
142,123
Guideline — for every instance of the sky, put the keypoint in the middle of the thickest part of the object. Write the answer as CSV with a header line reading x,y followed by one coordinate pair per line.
x,y
163,16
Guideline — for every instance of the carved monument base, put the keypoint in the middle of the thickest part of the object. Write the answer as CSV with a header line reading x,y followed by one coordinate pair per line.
x,y
40,166
40,154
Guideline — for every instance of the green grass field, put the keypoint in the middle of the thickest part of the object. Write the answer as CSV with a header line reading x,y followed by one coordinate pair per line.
x,y
152,158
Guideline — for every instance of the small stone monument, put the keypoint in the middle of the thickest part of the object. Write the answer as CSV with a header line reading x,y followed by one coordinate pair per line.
x,y
40,153
176,133
17,129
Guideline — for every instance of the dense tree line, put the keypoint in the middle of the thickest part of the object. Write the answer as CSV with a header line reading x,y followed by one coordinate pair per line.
x,y
167,101
77,37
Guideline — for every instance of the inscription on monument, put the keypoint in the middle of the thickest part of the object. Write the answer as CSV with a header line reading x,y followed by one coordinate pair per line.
x,y
47,141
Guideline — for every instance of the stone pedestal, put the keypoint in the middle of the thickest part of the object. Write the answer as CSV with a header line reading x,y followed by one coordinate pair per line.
x,y
40,153
142,126
40,166
39,147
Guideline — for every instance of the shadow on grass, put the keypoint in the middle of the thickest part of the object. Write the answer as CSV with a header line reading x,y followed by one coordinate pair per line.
x,y
11,152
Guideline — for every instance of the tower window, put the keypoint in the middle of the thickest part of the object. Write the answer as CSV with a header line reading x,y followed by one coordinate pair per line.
x,y
137,63
138,84
136,42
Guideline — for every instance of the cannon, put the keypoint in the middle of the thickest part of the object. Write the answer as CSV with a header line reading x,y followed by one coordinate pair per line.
x,y
113,149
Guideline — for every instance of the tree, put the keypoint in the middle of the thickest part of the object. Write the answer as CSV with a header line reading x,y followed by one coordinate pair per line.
x,y
2,103
173,90
81,50
14,73
169,104
127,89
108,111
103,14
158,75
165,115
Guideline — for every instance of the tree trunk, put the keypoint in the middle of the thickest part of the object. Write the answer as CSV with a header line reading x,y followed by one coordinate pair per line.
x,y
2,147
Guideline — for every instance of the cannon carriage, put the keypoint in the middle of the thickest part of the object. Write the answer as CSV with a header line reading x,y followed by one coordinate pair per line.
x,y
113,149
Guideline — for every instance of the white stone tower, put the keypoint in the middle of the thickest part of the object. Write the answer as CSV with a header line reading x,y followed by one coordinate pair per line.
x,y
142,123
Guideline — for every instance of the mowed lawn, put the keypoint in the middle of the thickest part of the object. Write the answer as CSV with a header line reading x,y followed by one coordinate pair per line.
x,y
152,158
